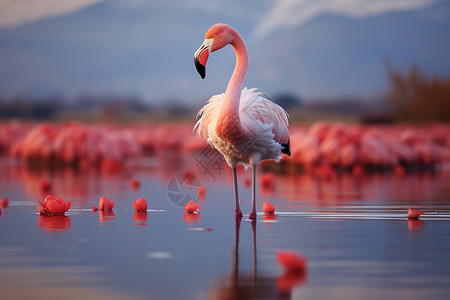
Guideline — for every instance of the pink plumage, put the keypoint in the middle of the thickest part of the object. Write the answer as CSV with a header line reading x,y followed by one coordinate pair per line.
x,y
242,124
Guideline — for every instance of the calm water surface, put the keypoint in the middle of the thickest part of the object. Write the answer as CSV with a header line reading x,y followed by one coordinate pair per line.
x,y
352,230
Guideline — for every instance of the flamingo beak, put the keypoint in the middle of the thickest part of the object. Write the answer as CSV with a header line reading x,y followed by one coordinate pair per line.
x,y
201,56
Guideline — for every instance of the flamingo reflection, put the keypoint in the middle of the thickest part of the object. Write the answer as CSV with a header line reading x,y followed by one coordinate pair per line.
x,y
54,224
254,285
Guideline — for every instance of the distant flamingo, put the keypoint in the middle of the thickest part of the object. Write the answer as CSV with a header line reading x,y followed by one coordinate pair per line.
x,y
243,125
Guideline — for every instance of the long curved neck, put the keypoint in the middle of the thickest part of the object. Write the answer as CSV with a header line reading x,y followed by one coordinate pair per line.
x,y
229,123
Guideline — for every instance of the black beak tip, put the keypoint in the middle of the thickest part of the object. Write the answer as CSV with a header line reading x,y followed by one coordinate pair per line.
x,y
200,69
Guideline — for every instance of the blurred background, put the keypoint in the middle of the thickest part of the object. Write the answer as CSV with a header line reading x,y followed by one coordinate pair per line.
x,y
99,98
115,79
122,60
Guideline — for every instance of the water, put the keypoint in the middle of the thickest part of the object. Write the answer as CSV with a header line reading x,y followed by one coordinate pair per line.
x,y
353,231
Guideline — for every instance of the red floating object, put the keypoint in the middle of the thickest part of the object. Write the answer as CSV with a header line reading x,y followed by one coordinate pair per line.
x,y
414,214
268,208
105,204
191,207
53,206
140,204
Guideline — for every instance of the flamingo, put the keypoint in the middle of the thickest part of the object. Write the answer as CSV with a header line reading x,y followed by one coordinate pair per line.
x,y
242,124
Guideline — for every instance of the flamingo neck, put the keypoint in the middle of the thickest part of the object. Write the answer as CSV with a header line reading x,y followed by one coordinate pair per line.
x,y
229,125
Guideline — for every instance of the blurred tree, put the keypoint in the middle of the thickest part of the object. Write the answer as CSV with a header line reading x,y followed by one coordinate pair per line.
x,y
415,97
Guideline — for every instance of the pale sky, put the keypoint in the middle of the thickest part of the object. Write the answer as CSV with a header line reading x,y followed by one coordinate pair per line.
x,y
291,13
284,13
18,12
119,56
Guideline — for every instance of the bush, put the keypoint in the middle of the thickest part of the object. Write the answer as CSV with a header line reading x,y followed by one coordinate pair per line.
x,y
416,97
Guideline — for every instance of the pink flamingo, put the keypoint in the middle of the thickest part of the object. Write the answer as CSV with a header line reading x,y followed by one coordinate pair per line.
x,y
243,125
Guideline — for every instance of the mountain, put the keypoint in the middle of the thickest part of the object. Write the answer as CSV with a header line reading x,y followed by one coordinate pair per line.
x,y
147,51
339,55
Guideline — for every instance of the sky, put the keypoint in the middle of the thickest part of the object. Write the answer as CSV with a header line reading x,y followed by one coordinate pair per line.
x,y
14,13
311,48
289,13
282,14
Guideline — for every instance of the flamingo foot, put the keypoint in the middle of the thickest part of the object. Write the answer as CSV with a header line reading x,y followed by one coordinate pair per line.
x,y
252,215
238,213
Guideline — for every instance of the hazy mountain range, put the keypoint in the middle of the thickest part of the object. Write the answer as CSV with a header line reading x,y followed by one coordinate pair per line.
x,y
146,50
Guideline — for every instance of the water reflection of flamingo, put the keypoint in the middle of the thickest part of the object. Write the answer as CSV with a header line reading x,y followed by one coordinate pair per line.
x,y
240,285
243,125
253,285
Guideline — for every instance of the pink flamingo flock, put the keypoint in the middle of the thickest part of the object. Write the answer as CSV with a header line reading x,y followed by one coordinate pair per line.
x,y
347,146
337,145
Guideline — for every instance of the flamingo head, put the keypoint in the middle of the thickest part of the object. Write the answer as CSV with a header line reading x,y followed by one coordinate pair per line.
x,y
217,37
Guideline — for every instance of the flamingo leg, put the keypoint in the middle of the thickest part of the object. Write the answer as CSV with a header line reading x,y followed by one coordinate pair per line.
x,y
237,211
252,215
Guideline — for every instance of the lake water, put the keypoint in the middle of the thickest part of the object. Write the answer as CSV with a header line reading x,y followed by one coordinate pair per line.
x,y
352,230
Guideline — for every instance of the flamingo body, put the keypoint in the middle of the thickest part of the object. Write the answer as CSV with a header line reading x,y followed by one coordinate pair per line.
x,y
265,132
242,124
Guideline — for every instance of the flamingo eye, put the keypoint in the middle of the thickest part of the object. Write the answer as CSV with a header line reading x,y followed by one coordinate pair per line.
x,y
215,36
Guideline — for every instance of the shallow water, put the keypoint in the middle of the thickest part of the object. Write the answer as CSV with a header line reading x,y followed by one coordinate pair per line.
x,y
353,232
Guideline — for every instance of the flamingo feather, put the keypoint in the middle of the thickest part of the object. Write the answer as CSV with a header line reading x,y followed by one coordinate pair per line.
x,y
242,124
